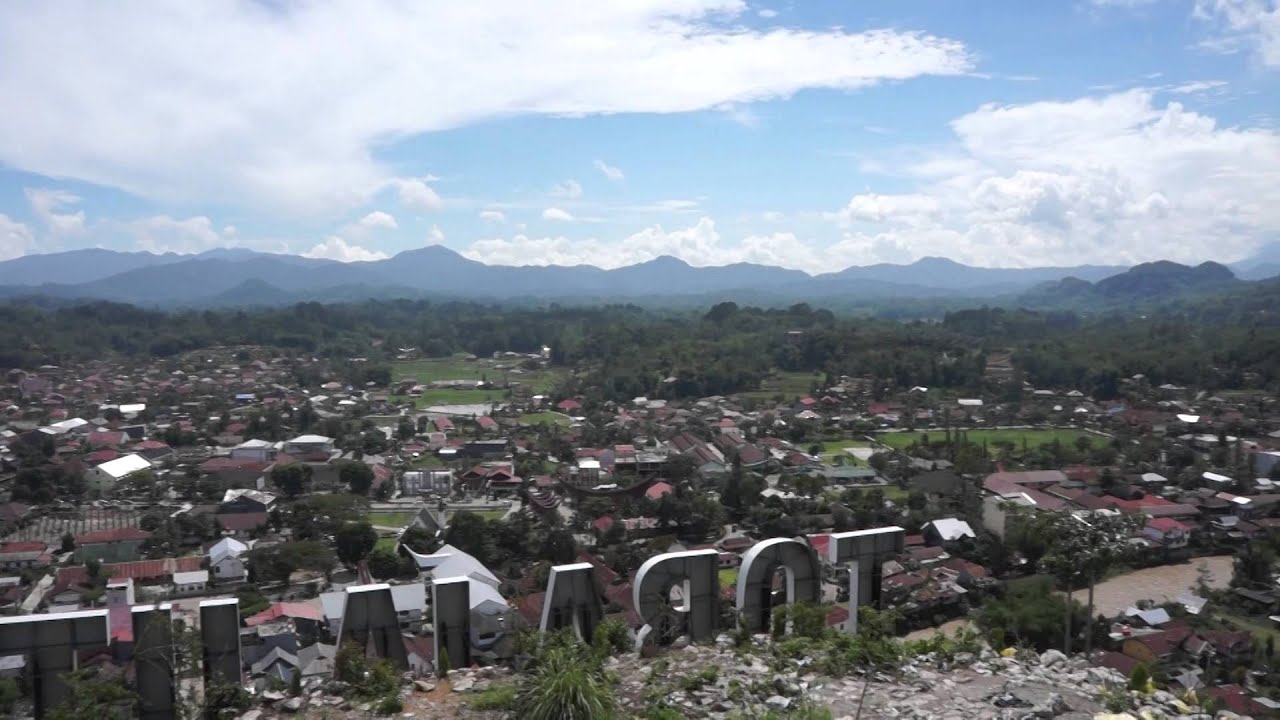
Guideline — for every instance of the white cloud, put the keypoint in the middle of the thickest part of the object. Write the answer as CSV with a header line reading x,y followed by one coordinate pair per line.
x,y
415,194
162,234
569,189
335,248
771,216
45,204
1249,24
493,216
554,213
1196,86
436,235
16,239
1114,178
767,13
609,171
379,219
252,106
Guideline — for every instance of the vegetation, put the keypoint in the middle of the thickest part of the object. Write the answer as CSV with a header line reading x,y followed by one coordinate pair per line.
x,y
566,681
1029,614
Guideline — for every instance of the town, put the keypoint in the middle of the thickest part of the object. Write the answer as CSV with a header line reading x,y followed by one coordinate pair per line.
x,y
282,479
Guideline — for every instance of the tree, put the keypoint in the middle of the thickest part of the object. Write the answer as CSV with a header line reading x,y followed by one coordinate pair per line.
x,y
1254,565
472,534
1028,613
292,479
357,476
354,542
384,564
68,542
419,540
1085,549
94,694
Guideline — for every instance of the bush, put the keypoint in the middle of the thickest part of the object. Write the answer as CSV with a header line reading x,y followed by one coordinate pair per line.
x,y
389,705
611,636
566,683
1140,680
497,697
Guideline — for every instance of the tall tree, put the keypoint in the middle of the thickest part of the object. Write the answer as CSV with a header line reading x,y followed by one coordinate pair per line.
x,y
354,542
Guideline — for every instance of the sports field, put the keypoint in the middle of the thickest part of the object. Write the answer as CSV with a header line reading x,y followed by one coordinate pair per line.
x,y
499,372
1033,437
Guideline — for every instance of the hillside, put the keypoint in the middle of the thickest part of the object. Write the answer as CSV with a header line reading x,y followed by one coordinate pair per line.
x,y
1143,285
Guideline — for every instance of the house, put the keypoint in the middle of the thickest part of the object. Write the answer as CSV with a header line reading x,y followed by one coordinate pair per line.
x,y
225,561
241,524
308,447
23,554
260,451
1158,646
246,501
946,530
491,617
1167,532
194,581
111,472
115,545
937,484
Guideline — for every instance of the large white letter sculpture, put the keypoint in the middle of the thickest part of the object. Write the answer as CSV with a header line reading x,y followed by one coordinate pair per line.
x,y
51,642
755,578
370,620
865,551
695,574
153,660
451,611
572,600
220,638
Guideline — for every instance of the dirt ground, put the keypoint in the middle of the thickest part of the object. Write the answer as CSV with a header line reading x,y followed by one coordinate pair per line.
x,y
1112,596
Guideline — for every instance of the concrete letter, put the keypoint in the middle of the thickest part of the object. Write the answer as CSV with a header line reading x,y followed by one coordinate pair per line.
x,y
865,551
572,600
755,578
695,575
153,659
451,608
220,638
370,620
51,641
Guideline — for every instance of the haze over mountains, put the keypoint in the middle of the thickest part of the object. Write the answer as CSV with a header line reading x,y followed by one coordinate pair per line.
x,y
236,276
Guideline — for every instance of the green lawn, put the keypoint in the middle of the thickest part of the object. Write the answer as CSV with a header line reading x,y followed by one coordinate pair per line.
x,y
391,519
499,372
426,461
729,577
891,491
832,447
790,385
386,543
486,514
545,418
1033,437
1261,627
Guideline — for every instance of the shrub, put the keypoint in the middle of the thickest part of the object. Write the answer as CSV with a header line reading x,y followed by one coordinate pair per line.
x,y
566,683
497,697
1140,679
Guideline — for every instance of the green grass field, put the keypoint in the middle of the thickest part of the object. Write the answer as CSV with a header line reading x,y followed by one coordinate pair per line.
x,y
787,384
1034,437
891,491
457,368
832,447
391,519
545,418
386,543
729,577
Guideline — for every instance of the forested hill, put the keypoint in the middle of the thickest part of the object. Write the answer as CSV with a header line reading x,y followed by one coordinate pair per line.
x,y
622,351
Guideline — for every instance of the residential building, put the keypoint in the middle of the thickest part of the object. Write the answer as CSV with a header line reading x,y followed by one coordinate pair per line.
x,y
111,472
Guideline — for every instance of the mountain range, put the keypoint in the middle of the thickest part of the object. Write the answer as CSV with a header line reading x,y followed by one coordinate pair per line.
x,y
240,277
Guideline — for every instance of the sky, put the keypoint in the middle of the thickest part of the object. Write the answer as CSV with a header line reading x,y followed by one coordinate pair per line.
x,y
809,135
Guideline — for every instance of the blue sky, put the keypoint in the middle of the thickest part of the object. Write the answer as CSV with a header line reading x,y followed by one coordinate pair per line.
x,y
813,135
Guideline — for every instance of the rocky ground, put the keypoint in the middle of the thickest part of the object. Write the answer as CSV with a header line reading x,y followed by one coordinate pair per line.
x,y
722,683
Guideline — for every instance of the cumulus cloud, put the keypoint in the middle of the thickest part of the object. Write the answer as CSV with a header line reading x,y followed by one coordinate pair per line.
x,y
379,219
609,171
569,190
1115,178
162,234
436,235
335,248
555,213
493,216
415,194
700,244
16,239
287,123
46,204
1247,24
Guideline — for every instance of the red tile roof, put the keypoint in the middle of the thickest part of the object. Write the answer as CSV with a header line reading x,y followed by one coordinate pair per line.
x,y
285,610
657,490
112,535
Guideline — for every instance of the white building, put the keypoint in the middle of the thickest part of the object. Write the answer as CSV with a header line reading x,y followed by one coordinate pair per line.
x,y
109,473
261,451
225,560
308,445
190,582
